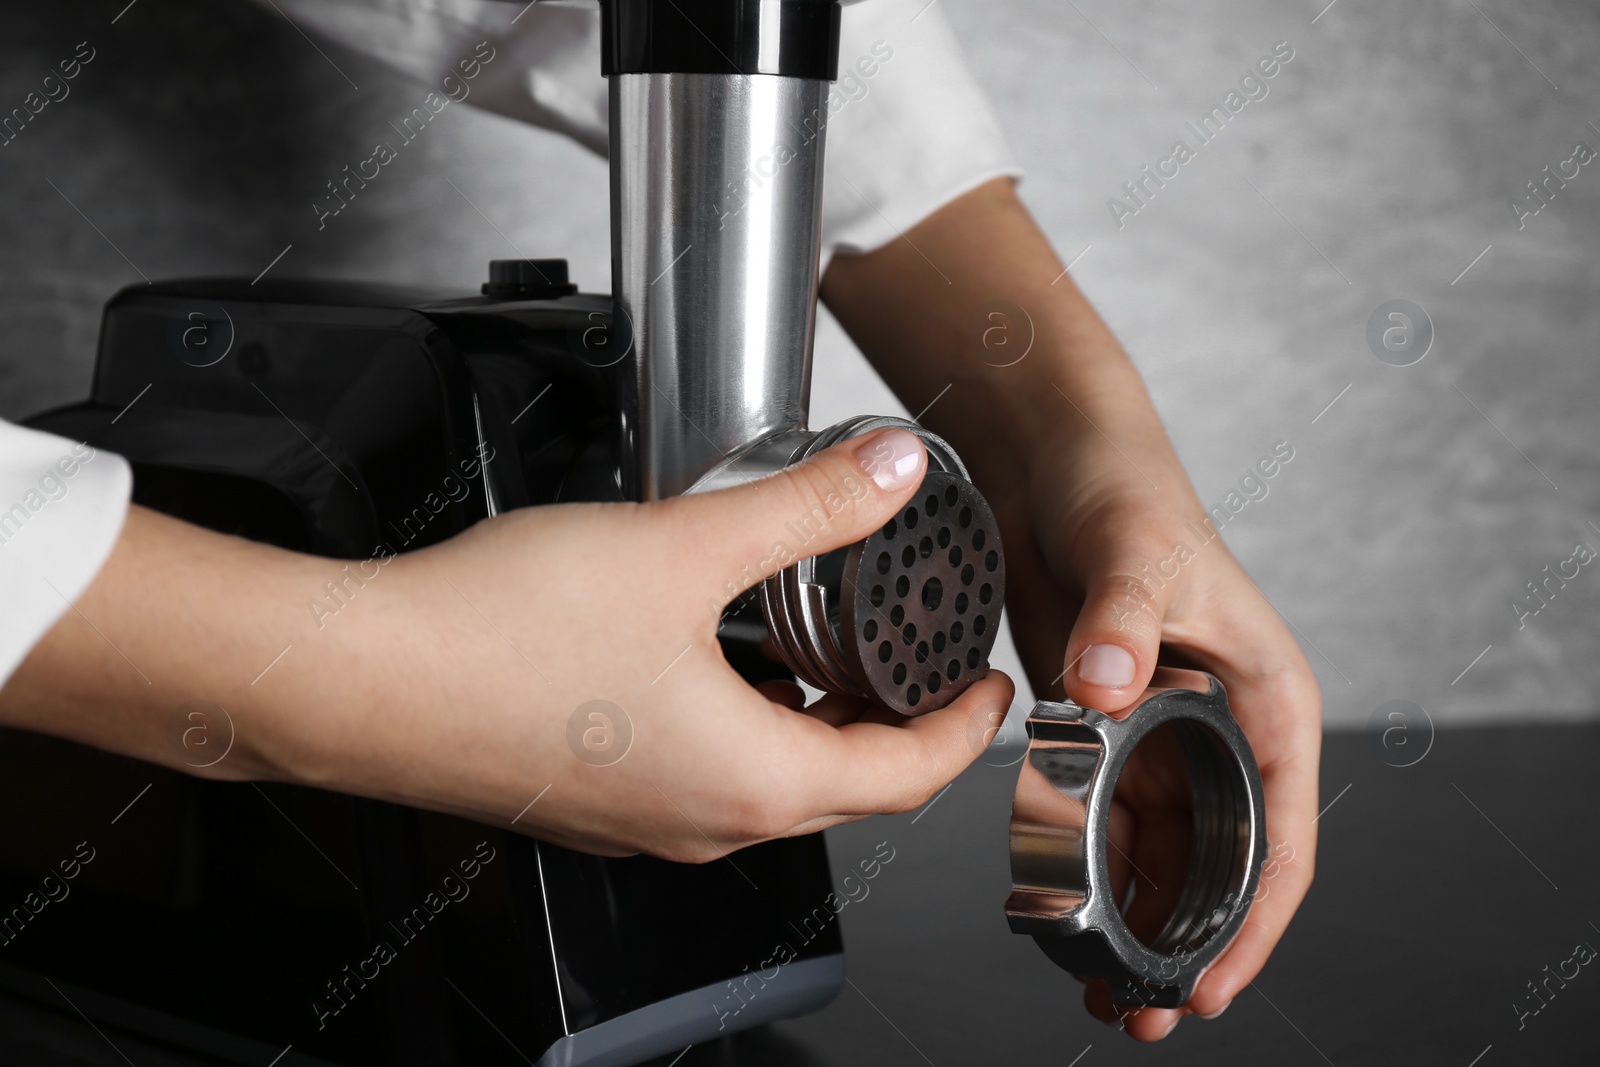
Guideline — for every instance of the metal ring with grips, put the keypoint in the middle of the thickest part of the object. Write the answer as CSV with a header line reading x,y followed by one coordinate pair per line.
x,y
1062,890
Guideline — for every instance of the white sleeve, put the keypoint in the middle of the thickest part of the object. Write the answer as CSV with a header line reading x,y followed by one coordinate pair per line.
x,y
909,129
543,66
62,504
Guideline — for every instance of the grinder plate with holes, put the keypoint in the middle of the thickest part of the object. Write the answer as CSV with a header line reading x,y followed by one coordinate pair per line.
x,y
921,604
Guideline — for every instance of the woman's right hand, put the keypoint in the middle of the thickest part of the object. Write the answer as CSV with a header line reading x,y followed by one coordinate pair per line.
x,y
463,677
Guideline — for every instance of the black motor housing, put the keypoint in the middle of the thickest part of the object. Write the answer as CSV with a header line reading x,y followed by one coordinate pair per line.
x,y
356,421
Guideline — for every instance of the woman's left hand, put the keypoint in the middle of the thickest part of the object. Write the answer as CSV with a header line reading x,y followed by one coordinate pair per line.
x,y
1111,557
972,320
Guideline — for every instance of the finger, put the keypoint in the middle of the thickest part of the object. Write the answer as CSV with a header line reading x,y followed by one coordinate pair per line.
x,y
1114,645
1142,1024
1122,827
1289,787
784,694
1155,797
1276,700
867,767
837,709
1160,862
731,539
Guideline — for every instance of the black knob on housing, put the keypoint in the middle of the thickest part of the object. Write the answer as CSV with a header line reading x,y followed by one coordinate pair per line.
x,y
528,279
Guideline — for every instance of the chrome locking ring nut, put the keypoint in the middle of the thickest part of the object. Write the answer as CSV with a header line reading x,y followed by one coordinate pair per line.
x,y
1063,893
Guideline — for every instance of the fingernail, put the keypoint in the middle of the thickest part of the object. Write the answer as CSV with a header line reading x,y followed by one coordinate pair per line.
x,y
892,459
1218,1012
1108,666
1171,1026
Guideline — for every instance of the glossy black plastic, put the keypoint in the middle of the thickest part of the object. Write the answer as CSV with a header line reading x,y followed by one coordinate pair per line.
x,y
793,38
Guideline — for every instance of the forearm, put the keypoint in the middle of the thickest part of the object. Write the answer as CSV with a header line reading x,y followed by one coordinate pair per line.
x,y
917,307
176,615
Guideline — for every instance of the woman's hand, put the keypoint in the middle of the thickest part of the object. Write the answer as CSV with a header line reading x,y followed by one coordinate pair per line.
x,y
497,643
464,677
972,319
1122,574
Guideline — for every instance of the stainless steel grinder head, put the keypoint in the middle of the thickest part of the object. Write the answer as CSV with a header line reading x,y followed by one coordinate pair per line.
x,y
906,617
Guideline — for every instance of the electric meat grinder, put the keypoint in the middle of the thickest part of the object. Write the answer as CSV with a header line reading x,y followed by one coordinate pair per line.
x,y
355,421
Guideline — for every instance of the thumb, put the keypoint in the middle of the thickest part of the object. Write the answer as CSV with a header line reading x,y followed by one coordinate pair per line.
x,y
835,498
1114,645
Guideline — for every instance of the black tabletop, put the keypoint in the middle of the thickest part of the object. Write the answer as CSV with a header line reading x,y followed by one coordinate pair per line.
x,y
1443,889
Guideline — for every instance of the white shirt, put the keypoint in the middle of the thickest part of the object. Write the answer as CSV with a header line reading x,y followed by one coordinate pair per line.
x,y
909,131
61,507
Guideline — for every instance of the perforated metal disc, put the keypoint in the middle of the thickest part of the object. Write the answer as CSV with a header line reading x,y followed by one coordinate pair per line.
x,y
922,602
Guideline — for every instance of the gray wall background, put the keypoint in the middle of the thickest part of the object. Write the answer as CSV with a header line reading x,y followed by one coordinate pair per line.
x,y
1379,167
